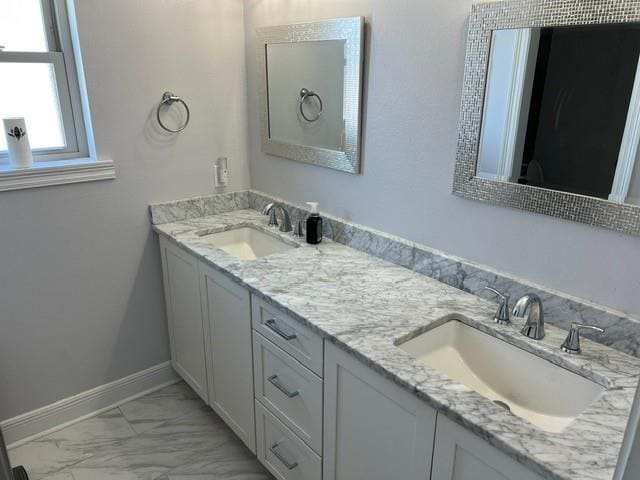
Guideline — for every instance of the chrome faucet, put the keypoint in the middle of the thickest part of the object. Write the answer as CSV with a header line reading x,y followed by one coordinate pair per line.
x,y
530,308
271,209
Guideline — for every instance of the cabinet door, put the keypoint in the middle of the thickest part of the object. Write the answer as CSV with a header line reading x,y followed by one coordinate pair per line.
x,y
186,329
460,455
227,309
373,429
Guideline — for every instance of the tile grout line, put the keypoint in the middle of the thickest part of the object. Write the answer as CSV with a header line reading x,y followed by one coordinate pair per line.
x,y
135,432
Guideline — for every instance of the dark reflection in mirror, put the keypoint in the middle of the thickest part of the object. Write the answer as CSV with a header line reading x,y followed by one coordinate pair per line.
x,y
562,110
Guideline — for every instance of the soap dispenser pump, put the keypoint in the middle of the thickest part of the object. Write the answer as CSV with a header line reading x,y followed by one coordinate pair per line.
x,y
314,225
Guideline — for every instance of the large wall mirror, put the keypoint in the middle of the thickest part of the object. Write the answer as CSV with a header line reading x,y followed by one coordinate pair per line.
x,y
550,117
310,91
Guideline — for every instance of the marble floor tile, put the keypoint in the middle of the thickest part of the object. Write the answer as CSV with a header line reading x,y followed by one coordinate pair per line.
x,y
236,475
57,476
70,445
170,435
149,473
177,454
159,407
42,458
246,468
195,443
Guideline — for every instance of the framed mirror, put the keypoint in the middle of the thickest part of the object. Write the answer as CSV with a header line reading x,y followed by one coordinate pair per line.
x,y
310,91
550,116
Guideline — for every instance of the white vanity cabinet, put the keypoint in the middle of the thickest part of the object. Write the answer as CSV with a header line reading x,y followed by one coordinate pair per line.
x,y
373,429
186,326
307,409
210,335
461,455
226,308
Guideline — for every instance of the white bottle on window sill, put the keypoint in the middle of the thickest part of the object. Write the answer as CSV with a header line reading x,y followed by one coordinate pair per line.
x,y
20,155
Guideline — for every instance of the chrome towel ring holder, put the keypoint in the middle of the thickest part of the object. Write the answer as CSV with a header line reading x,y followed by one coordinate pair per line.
x,y
305,94
168,98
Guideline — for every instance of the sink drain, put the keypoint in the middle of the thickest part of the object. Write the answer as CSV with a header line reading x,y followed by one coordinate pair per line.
x,y
502,404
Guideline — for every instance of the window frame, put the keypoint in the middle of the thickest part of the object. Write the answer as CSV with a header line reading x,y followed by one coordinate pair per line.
x,y
61,55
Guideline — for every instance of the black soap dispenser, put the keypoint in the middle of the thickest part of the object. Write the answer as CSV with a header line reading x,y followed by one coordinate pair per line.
x,y
314,225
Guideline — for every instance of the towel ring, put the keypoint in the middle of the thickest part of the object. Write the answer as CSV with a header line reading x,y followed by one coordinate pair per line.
x,y
304,94
169,98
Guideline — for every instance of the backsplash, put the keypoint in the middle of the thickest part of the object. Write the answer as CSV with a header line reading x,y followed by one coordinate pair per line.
x,y
622,331
195,207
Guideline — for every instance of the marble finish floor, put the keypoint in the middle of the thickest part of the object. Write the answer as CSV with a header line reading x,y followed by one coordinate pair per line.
x,y
167,435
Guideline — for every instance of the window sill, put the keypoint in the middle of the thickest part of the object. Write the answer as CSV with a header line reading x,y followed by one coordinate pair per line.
x,y
61,172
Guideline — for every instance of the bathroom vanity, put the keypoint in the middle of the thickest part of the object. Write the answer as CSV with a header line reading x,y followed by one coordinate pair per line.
x,y
338,363
315,357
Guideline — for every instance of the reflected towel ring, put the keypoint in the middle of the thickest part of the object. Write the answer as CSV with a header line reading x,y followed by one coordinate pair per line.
x,y
304,94
169,98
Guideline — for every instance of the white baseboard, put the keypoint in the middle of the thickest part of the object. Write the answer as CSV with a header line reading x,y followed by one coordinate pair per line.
x,y
28,426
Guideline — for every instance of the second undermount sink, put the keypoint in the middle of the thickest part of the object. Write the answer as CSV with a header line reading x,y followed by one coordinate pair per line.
x,y
247,243
546,395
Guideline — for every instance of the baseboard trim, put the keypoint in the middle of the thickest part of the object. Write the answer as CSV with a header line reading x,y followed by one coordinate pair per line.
x,y
31,425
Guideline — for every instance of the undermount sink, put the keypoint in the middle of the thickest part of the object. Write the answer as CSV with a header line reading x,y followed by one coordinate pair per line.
x,y
546,395
247,243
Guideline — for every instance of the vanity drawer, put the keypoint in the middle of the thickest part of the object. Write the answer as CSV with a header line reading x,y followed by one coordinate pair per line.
x,y
288,390
284,454
294,338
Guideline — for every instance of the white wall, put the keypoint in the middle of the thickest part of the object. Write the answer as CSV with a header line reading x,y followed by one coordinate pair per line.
x,y
81,300
414,78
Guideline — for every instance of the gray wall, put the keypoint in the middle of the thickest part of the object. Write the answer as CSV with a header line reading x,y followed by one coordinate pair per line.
x,y
81,300
414,77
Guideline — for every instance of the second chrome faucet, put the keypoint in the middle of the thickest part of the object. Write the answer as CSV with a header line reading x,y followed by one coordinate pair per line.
x,y
270,209
528,307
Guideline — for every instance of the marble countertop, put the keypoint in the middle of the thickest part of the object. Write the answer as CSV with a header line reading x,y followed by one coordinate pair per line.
x,y
365,305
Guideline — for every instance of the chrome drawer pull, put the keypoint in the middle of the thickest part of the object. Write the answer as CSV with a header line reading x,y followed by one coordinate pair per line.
x,y
273,380
274,449
273,326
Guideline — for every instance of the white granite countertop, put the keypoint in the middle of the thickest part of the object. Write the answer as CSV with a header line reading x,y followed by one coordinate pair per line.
x,y
365,305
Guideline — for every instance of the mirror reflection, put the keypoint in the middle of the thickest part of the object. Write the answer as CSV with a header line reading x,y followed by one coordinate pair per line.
x,y
562,110
305,83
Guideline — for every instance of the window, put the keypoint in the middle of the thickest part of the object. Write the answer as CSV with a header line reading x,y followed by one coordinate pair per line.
x,y
38,78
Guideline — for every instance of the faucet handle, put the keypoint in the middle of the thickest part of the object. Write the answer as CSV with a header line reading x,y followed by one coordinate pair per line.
x,y
572,343
502,314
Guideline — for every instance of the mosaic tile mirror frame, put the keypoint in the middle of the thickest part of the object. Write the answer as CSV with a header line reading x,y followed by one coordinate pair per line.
x,y
349,32
521,14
